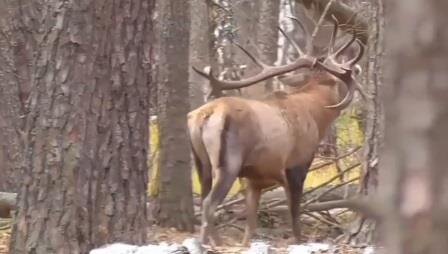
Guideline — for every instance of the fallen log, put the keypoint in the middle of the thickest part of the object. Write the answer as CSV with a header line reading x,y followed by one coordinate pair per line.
x,y
7,204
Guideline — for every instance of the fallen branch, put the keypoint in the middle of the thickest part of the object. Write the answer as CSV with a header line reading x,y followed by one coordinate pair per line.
x,y
371,209
333,159
5,224
325,221
331,179
7,204
352,151
320,186
278,202
237,201
322,165
318,197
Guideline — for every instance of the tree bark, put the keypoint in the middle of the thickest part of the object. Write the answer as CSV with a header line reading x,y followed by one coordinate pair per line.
x,y
199,51
86,135
363,229
413,178
267,34
14,91
175,200
245,15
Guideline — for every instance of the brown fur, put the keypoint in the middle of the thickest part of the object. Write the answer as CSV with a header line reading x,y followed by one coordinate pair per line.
x,y
267,142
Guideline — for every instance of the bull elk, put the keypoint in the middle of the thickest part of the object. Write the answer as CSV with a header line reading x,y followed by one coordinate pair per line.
x,y
270,141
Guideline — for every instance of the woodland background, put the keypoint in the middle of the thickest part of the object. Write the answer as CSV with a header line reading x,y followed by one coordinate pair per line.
x,y
94,97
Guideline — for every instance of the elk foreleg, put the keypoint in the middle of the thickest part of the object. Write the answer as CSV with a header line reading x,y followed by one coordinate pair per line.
x,y
295,181
253,193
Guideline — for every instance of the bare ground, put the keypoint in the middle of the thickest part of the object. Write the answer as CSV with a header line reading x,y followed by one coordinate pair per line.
x,y
273,228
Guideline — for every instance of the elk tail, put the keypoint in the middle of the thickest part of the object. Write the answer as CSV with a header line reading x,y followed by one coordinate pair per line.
x,y
200,157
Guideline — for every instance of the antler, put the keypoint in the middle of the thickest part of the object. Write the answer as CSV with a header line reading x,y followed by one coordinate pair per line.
x,y
343,71
304,60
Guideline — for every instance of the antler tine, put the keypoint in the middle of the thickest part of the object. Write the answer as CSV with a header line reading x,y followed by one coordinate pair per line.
x,y
359,56
305,60
344,102
336,54
309,42
333,34
346,45
294,44
266,73
202,73
215,90
252,57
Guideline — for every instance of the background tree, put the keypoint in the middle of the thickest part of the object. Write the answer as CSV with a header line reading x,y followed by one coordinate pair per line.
x,y
413,179
175,201
256,30
14,91
245,14
372,119
85,137
199,51
267,33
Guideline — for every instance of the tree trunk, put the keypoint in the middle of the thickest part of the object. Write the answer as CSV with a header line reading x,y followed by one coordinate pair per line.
x,y
267,33
175,201
364,229
199,51
86,135
245,14
14,91
240,21
413,178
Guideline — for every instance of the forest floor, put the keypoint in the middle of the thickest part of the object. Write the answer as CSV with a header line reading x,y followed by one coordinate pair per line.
x,y
274,228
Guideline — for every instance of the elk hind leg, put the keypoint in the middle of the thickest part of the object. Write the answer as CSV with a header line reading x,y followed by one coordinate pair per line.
x,y
225,155
204,170
295,181
253,193
217,194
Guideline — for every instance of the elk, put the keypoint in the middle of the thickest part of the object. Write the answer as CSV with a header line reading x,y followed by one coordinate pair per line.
x,y
270,141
